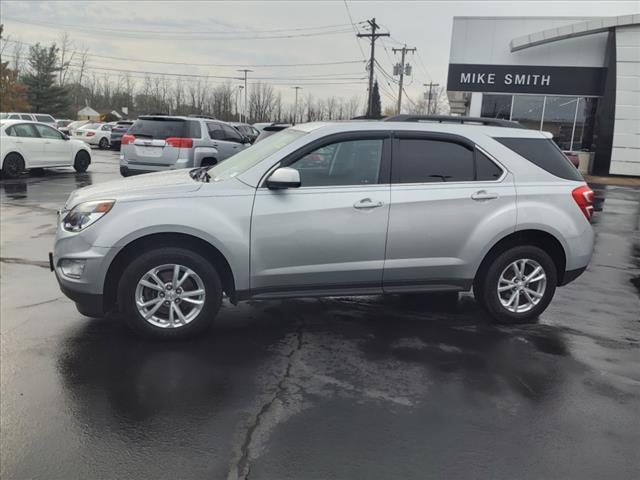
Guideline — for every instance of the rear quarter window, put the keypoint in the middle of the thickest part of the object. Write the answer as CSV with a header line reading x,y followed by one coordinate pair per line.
x,y
545,154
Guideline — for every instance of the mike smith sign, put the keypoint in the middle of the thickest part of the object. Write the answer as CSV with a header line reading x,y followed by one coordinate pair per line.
x,y
578,81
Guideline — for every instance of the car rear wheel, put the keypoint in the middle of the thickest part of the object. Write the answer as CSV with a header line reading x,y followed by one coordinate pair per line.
x,y
518,285
82,161
103,144
12,166
170,293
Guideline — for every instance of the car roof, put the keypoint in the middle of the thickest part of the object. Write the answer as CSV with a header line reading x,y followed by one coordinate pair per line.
x,y
453,128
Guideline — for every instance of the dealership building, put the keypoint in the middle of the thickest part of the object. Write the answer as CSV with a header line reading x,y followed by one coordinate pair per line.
x,y
576,77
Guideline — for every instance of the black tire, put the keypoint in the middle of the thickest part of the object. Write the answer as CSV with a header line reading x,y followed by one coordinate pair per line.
x,y
82,161
13,165
103,144
124,171
485,287
163,256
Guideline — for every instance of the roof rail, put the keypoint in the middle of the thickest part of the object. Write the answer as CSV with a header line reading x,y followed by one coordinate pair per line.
x,y
195,115
494,122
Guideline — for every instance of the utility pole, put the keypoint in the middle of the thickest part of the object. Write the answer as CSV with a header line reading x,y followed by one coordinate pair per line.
x,y
430,94
238,94
373,36
295,105
402,72
244,108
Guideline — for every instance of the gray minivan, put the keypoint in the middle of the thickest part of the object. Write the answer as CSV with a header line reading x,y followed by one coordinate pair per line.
x,y
163,142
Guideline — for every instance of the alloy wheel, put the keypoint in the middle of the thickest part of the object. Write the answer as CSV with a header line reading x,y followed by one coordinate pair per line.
x,y
170,296
522,285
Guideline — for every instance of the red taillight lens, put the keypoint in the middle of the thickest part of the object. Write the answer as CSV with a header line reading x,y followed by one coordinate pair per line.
x,y
178,142
127,139
90,134
584,198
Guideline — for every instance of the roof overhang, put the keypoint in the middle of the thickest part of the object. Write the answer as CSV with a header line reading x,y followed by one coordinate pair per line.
x,y
580,29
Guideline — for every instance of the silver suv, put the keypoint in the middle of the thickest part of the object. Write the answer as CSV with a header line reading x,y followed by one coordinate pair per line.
x,y
325,209
161,142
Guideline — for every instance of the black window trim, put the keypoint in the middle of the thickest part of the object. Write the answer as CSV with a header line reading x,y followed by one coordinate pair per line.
x,y
384,177
443,137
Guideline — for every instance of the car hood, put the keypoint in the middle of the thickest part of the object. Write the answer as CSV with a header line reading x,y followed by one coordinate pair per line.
x,y
174,183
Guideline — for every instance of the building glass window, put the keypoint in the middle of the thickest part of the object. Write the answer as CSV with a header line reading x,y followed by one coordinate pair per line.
x,y
527,109
496,106
559,114
585,120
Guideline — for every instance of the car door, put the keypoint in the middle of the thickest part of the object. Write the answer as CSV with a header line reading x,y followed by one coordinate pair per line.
x,y
56,150
329,234
449,203
30,144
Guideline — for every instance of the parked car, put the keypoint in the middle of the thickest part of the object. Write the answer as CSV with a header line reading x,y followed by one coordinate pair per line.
x,y
31,117
249,131
62,123
162,142
97,134
73,126
453,207
269,130
27,145
117,131
260,125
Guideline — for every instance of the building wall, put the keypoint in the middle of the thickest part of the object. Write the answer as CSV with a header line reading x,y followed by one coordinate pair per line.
x,y
625,154
485,40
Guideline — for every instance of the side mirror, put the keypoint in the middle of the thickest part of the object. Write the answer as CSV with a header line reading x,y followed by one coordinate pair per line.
x,y
284,177
65,136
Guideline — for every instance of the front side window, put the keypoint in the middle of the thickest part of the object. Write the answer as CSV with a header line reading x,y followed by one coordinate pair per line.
x,y
48,132
106,128
25,130
352,162
429,161
25,117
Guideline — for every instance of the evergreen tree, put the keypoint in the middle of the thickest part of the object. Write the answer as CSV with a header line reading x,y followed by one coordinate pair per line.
x,y
376,107
43,94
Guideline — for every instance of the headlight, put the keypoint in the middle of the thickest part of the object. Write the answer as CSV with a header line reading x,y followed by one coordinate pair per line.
x,y
85,214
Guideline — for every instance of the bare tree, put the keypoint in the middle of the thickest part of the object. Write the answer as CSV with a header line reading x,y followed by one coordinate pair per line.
x,y
261,102
66,55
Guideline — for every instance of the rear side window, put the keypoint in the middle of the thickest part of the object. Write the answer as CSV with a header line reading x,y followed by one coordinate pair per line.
x,y
545,154
45,118
25,117
159,128
24,130
428,161
486,170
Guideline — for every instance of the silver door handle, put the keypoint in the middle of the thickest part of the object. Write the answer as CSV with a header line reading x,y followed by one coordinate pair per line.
x,y
367,203
484,195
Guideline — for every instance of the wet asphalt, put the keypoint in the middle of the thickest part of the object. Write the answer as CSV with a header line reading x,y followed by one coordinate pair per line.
x,y
371,387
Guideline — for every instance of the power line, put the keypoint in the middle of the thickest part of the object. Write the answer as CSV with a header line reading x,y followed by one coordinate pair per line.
x,y
163,36
182,32
142,60
355,30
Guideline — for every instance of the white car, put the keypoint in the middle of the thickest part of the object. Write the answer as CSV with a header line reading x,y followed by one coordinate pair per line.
x,y
33,117
97,134
25,145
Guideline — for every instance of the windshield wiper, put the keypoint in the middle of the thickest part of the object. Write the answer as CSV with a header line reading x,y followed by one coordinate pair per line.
x,y
200,174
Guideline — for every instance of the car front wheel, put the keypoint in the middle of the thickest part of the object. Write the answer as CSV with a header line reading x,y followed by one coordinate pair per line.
x,y
103,144
82,161
518,285
170,293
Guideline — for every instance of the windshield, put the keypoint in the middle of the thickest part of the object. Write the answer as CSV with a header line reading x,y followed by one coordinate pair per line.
x,y
243,161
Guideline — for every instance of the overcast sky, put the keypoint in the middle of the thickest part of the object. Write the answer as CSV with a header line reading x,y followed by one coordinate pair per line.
x,y
201,32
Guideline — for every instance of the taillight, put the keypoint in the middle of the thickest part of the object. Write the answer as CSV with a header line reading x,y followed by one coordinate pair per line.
x,y
90,134
584,198
179,142
127,139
